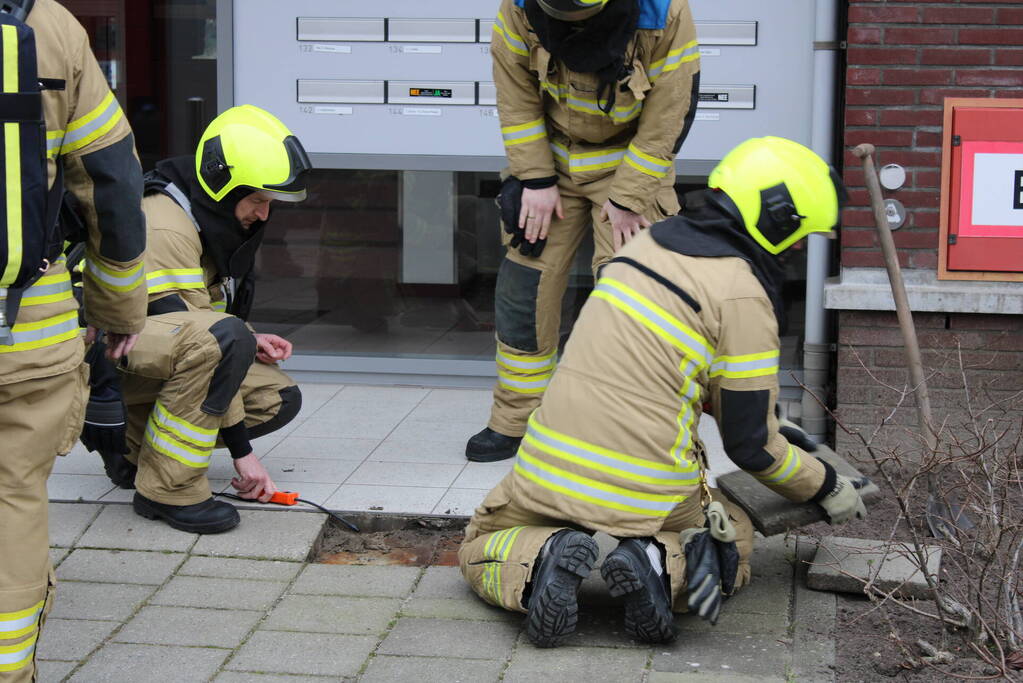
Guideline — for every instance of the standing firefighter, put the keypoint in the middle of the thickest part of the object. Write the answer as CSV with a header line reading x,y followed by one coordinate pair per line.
x,y
61,127
685,315
199,375
595,99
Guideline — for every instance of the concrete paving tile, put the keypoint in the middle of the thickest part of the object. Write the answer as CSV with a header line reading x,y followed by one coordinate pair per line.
x,y
384,669
460,502
382,397
443,582
265,535
284,470
429,430
575,663
189,626
221,465
846,564
343,579
232,568
406,450
118,662
369,425
57,555
450,638
317,654
714,677
72,639
373,473
471,608
406,499
738,623
320,448
68,521
194,591
332,614
813,619
118,496
772,595
249,677
100,601
600,625
79,461
468,404
118,527
119,566
77,487
53,671
483,475
743,655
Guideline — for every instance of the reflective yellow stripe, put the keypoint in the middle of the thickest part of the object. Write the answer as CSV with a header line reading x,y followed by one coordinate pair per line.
x,y
201,437
525,363
219,306
524,132
687,53
761,364
174,278
512,40
15,657
689,394
48,289
12,162
47,332
792,464
186,455
54,138
22,622
646,164
117,281
93,125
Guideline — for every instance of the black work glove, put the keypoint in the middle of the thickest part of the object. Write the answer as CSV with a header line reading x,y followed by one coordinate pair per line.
x,y
703,576
105,427
509,201
794,434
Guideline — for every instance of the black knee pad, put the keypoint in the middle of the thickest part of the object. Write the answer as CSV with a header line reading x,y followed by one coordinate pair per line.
x,y
515,305
291,403
237,351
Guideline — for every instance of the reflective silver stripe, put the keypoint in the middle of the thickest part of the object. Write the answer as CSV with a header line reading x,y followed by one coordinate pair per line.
x,y
538,383
560,152
175,279
534,365
592,106
578,163
538,129
592,491
26,337
669,327
657,168
165,418
508,36
181,200
671,62
794,461
721,366
572,449
101,120
38,290
127,282
173,450
20,624
22,655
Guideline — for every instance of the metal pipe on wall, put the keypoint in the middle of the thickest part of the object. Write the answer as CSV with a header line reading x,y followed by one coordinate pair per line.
x,y
816,345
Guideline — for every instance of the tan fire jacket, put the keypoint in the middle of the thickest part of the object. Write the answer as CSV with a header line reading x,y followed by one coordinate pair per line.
x,y
550,117
89,135
613,444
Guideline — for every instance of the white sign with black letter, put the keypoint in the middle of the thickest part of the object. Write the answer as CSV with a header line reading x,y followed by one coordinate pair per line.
x,y
998,189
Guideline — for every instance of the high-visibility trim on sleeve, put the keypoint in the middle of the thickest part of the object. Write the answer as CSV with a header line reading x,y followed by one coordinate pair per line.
x,y
219,306
12,162
644,163
93,125
117,281
512,40
17,656
20,623
43,333
761,364
689,52
524,132
789,467
174,278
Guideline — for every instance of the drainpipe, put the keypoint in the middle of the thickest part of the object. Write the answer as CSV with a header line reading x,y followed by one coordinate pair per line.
x,y
816,346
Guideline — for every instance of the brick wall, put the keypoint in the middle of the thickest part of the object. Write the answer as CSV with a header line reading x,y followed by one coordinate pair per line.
x,y
981,352
904,58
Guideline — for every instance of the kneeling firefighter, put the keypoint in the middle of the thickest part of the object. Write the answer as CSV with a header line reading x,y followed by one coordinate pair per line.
x,y
684,316
191,382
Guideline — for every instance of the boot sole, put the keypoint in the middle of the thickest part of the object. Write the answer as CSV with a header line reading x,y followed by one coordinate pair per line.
x,y
144,510
491,456
554,613
644,620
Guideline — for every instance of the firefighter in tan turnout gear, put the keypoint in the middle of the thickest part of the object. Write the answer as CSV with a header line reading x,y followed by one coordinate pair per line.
x,y
199,376
595,98
685,315
43,379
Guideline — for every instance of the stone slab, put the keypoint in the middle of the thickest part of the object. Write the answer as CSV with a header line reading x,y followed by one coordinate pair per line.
x,y
714,677
99,601
194,591
248,677
232,568
770,595
443,582
530,664
315,654
456,608
332,614
53,671
118,528
733,621
72,639
384,669
813,619
724,653
57,555
600,625
117,662
68,521
266,535
188,626
844,564
450,638
344,579
773,514
119,566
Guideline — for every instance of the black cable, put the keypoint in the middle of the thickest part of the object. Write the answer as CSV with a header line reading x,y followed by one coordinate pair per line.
x,y
300,500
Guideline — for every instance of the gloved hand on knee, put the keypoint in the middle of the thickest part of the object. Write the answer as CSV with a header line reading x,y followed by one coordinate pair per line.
x,y
844,502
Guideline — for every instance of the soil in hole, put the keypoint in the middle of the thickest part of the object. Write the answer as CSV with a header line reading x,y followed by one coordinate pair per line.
x,y
417,543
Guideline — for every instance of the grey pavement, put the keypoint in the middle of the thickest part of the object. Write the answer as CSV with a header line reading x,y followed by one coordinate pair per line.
x,y
186,608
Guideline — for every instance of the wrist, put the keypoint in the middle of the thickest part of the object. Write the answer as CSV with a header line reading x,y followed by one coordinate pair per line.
x,y
236,438
828,485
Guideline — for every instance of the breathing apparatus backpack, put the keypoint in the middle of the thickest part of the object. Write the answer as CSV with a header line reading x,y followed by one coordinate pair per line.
x,y
29,234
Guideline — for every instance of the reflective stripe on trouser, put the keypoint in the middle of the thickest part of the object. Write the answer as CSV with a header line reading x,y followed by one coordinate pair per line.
x,y
39,418
530,329
170,480
502,544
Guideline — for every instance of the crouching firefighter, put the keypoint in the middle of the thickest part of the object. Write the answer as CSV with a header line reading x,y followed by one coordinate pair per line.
x,y
685,315
191,383
61,128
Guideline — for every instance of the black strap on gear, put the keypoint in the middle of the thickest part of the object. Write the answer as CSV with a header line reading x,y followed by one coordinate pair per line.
x,y
19,9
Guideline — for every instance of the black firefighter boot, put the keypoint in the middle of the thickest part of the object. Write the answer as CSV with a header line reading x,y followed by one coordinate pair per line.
x,y
208,517
491,446
567,558
628,572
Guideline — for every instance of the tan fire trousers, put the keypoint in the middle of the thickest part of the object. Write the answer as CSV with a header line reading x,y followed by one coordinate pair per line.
x,y
503,541
39,419
530,291
181,374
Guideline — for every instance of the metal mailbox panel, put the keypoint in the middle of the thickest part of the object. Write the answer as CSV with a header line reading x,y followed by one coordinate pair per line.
x,y
348,30
431,30
727,96
341,92
726,32
435,93
488,94
486,29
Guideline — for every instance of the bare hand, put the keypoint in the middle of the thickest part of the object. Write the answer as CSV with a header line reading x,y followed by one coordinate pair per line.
x,y
537,207
624,223
272,349
253,481
118,345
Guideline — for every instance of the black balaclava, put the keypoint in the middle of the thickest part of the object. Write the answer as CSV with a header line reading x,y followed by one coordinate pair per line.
x,y
708,227
596,45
